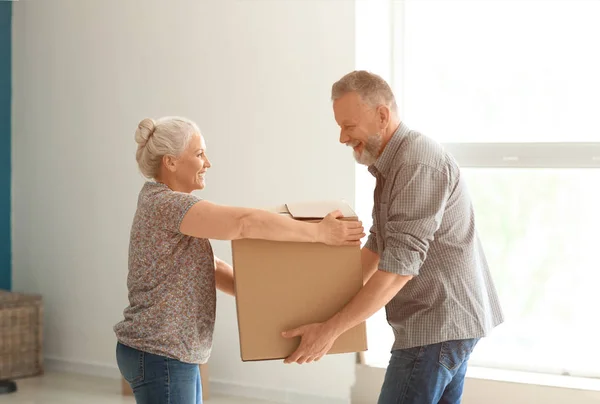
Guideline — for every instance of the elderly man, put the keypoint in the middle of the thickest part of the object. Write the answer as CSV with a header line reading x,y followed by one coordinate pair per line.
x,y
423,259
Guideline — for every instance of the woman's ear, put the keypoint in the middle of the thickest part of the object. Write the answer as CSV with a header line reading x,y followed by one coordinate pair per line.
x,y
169,162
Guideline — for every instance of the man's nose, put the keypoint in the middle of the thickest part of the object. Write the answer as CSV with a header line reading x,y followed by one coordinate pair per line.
x,y
343,137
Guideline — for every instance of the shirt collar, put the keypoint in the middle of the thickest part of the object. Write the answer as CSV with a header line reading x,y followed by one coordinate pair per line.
x,y
385,160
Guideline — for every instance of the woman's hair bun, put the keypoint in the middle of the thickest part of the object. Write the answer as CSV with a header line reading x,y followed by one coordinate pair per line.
x,y
144,131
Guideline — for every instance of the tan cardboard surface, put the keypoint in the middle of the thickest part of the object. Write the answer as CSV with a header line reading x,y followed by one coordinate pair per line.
x,y
282,285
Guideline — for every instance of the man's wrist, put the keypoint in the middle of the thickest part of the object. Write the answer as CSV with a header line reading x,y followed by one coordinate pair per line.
x,y
335,326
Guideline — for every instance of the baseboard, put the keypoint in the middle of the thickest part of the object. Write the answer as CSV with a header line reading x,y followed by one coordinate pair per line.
x,y
83,368
221,387
268,394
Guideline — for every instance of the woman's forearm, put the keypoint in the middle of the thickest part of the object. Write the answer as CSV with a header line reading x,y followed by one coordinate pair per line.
x,y
207,220
224,277
265,225
330,230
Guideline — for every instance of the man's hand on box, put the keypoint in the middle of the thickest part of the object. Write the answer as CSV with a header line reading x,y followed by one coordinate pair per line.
x,y
316,341
318,338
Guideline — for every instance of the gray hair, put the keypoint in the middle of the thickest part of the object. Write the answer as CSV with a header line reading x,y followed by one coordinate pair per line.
x,y
371,88
155,139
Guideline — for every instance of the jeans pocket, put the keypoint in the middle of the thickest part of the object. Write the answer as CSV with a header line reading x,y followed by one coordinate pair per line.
x,y
131,363
454,353
405,358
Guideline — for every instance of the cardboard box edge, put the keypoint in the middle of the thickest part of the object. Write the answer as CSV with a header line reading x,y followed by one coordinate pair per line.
x,y
354,216
235,291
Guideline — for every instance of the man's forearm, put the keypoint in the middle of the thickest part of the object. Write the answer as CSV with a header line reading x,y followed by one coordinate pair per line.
x,y
224,277
377,292
370,262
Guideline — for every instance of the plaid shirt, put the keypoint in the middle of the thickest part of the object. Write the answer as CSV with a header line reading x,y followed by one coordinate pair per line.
x,y
423,225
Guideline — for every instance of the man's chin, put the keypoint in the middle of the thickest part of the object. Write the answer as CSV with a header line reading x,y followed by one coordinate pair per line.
x,y
364,160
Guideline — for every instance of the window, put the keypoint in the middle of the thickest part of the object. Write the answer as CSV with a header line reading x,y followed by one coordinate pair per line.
x,y
512,90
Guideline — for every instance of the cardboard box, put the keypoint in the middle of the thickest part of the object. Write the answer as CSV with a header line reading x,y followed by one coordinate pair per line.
x,y
126,388
283,285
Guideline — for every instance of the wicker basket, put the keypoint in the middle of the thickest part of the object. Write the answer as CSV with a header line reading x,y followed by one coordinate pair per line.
x,y
20,335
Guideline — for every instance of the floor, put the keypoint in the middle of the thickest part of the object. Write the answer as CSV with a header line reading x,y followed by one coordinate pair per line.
x,y
60,388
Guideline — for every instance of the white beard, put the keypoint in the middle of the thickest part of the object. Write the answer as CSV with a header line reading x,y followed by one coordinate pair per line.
x,y
370,152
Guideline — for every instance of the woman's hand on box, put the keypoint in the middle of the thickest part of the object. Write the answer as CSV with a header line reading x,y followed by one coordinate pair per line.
x,y
333,231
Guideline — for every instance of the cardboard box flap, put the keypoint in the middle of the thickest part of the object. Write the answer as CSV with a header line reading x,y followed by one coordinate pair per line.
x,y
318,210
281,209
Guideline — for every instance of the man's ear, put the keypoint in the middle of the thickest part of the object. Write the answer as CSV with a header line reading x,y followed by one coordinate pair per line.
x,y
383,116
169,162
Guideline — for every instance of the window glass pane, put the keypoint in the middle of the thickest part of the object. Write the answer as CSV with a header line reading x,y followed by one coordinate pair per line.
x,y
501,71
540,230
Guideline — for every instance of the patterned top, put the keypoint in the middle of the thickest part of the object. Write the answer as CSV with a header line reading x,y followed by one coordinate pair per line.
x,y
424,225
171,281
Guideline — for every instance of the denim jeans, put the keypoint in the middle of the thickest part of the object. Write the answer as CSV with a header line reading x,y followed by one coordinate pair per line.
x,y
430,374
156,379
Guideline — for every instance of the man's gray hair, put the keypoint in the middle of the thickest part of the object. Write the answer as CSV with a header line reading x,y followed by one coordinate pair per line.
x,y
371,88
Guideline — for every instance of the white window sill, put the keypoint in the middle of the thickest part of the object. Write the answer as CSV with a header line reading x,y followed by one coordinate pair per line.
x,y
514,376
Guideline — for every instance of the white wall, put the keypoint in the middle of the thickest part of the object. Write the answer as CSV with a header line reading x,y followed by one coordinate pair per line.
x,y
254,74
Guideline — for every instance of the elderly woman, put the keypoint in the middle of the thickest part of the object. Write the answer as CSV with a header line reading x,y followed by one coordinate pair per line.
x,y
168,326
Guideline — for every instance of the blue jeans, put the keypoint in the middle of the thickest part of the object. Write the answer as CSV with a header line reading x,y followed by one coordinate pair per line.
x,y
156,379
430,374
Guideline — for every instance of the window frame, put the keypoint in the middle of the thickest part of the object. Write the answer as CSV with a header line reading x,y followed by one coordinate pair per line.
x,y
525,155
388,17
